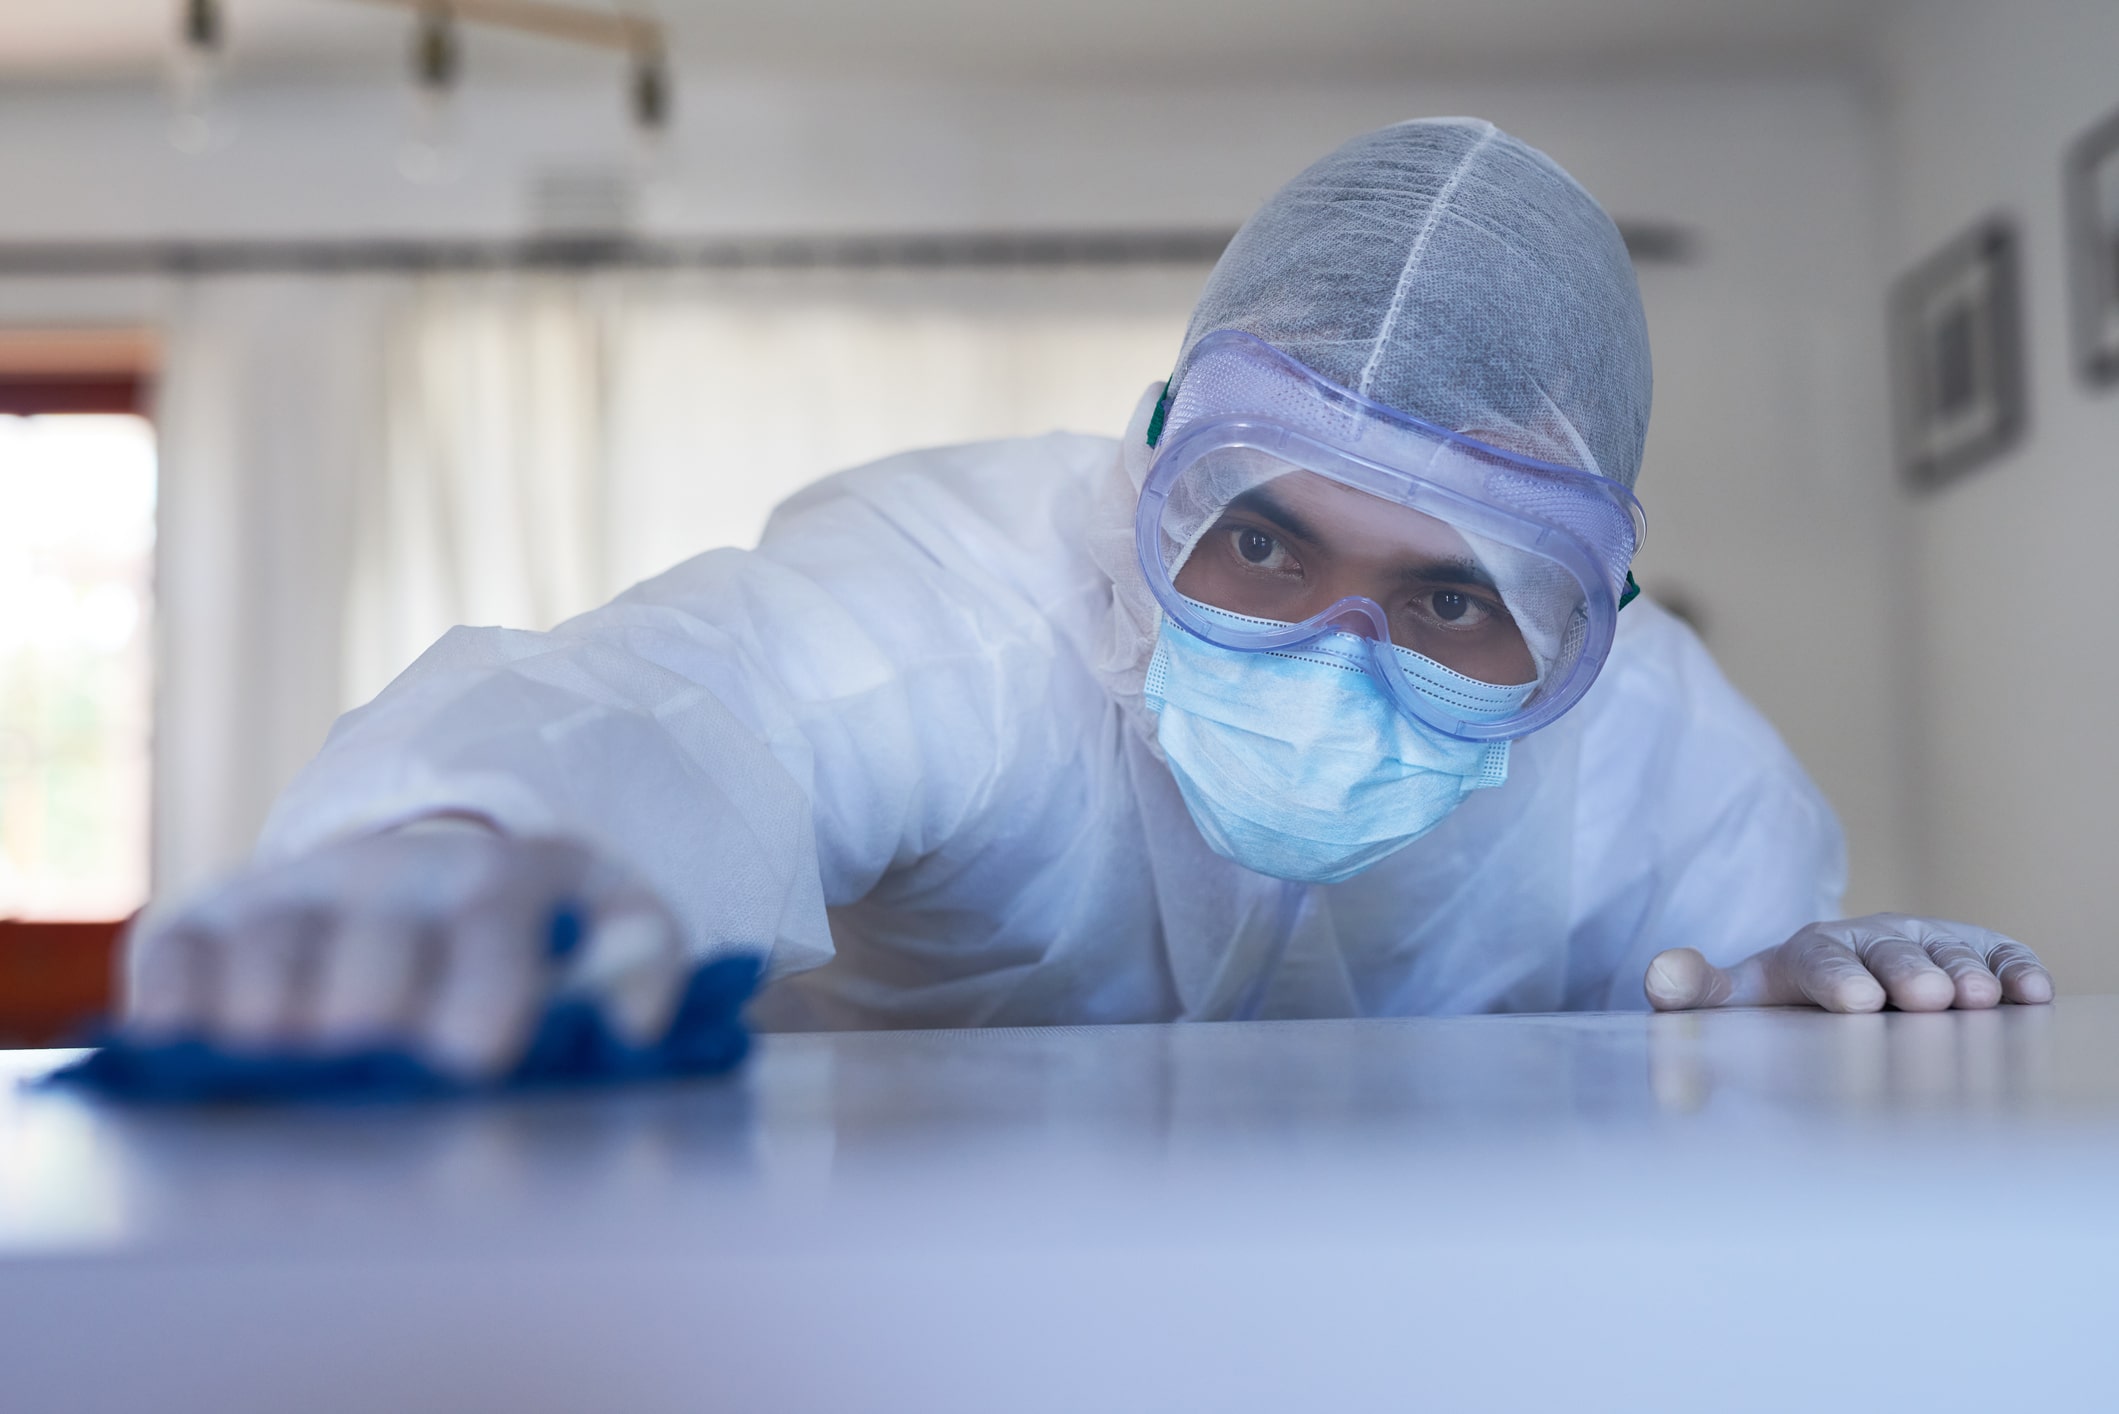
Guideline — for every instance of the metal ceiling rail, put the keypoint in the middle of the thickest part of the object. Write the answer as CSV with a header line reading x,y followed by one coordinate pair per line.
x,y
1650,243
586,253
570,24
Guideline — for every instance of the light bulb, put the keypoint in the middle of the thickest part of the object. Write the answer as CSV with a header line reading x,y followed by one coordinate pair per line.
x,y
648,99
430,151
198,121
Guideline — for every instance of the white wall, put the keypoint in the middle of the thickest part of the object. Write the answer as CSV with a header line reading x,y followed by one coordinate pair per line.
x,y
779,156
1767,500
2018,654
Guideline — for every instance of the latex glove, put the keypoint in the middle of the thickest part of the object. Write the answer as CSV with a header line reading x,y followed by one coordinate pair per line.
x,y
1858,964
435,940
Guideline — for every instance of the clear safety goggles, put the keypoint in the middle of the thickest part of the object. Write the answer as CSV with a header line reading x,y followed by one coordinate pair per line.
x,y
1283,513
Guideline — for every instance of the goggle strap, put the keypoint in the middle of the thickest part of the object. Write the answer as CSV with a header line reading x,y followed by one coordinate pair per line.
x,y
1162,415
1633,591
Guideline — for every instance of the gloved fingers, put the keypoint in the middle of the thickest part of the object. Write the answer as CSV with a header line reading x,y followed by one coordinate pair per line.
x,y
440,941
168,977
497,978
1977,988
1858,965
261,974
1967,953
2023,977
1813,968
370,970
2017,973
491,984
633,963
1910,977
1682,979
1817,967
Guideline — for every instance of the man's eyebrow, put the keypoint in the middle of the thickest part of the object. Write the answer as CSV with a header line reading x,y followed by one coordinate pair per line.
x,y
1455,570
1265,505
1446,569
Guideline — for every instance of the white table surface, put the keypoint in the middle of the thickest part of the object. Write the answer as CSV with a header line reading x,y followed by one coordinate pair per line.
x,y
1765,1209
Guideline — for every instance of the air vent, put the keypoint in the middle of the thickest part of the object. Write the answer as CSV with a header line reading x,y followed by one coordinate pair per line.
x,y
583,203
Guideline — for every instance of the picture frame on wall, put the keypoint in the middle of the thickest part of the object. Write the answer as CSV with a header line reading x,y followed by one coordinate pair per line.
x,y
2093,236
1957,354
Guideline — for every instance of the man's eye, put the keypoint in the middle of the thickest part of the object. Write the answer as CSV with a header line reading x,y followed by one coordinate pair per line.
x,y
1260,549
1457,609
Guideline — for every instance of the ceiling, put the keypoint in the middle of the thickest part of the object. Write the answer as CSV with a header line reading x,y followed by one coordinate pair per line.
x,y
1075,40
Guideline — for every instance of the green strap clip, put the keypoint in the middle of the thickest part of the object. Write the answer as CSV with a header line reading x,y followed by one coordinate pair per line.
x,y
1162,415
1633,591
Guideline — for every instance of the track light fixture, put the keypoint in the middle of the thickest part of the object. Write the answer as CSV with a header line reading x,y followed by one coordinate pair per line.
x,y
650,92
436,55
429,152
437,51
196,123
203,25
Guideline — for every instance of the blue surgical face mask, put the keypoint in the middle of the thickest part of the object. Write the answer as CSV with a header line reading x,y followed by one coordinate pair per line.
x,y
1296,764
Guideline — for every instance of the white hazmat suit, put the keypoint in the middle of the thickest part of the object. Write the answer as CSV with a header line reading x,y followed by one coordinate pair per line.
x,y
880,745
902,746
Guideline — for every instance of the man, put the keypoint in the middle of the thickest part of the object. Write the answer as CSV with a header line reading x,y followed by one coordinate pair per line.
x,y
1317,695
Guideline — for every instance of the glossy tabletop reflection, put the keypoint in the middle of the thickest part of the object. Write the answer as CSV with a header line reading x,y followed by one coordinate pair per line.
x,y
1751,1209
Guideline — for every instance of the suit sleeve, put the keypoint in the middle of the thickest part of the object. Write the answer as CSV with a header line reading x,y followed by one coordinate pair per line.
x,y
758,734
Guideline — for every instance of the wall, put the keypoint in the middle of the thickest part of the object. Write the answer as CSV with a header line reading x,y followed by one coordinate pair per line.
x,y
1768,511
2018,650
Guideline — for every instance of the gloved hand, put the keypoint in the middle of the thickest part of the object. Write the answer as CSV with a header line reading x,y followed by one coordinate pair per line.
x,y
437,939
1858,964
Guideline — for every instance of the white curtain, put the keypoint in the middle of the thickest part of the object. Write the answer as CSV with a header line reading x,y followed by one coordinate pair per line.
x,y
268,419
486,505
351,466
729,393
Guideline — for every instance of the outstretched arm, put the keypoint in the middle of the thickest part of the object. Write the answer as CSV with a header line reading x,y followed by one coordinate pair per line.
x,y
701,766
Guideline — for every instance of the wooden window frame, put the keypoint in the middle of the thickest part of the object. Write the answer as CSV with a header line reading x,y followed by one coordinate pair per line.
x,y
59,979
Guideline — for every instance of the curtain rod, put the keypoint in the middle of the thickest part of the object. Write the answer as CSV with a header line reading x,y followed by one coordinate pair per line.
x,y
585,253
1648,242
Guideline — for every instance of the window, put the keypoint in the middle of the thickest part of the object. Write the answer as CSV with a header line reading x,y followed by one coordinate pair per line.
x,y
77,495
77,527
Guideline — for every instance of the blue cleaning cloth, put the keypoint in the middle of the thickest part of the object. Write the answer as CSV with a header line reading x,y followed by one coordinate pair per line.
x,y
573,1046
